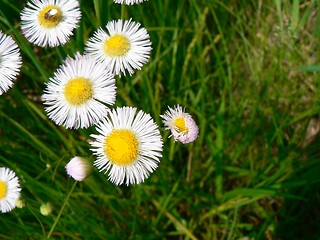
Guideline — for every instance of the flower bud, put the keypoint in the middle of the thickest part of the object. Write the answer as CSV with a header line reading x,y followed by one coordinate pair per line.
x,y
78,168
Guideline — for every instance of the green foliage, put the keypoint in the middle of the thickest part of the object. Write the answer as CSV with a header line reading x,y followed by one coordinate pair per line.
x,y
245,70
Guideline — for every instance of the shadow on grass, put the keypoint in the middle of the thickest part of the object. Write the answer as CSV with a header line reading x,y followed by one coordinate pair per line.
x,y
300,218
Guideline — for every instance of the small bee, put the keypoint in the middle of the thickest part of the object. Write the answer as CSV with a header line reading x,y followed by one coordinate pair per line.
x,y
50,13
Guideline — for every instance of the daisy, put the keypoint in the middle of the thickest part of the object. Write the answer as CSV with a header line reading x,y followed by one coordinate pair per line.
x,y
10,62
9,190
183,127
128,146
78,168
76,96
123,47
50,22
128,2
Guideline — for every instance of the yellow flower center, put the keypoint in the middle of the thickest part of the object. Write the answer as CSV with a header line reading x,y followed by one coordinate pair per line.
x,y
3,189
180,123
50,16
121,147
117,45
78,91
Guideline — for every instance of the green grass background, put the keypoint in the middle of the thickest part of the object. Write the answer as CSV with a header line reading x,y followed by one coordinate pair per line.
x,y
246,70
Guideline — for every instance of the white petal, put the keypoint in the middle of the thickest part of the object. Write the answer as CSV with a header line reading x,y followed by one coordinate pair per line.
x,y
149,142
8,202
79,116
10,62
52,37
137,55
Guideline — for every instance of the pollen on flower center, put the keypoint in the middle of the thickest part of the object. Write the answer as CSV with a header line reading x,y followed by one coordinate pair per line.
x,y
121,147
78,91
180,123
3,189
50,16
117,45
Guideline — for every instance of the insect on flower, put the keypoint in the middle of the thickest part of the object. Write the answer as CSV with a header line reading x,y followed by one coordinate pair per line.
x,y
50,23
51,13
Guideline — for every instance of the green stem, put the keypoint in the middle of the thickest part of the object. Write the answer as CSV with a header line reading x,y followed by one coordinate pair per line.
x,y
122,11
61,210
171,151
233,222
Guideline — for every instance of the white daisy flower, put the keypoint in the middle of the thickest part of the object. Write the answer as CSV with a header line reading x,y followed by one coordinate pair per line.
x,y
78,168
123,47
183,128
128,2
9,190
10,62
128,146
50,22
76,96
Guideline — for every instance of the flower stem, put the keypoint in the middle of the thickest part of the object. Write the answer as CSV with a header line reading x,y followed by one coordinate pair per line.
x,y
61,210
122,11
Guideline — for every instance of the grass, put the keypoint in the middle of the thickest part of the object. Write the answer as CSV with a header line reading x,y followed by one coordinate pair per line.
x,y
246,71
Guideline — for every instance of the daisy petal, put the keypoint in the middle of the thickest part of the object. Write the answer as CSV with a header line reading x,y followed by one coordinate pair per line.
x,y
124,47
50,22
9,190
128,2
128,146
183,128
10,62
76,96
